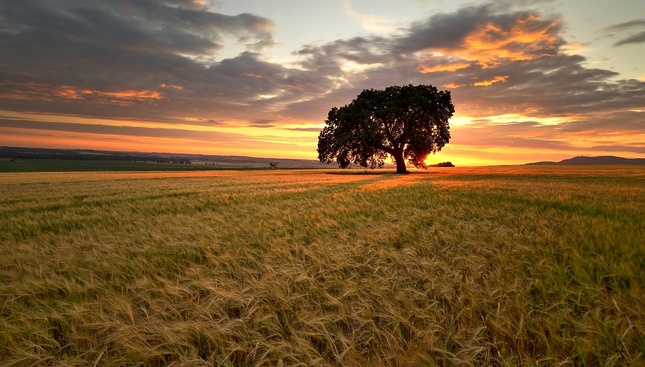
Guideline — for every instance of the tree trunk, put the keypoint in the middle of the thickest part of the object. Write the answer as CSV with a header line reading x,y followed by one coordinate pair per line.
x,y
400,162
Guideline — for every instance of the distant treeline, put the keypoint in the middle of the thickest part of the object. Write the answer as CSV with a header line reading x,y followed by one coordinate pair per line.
x,y
71,154
443,164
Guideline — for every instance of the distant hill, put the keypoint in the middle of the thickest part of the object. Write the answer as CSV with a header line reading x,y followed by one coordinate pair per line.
x,y
608,159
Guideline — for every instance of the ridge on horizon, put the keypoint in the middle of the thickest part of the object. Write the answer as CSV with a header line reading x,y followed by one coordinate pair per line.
x,y
605,159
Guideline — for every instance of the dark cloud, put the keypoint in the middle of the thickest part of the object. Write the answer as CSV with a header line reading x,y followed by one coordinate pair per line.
x,y
629,123
360,50
115,47
138,134
558,85
482,35
623,28
144,25
636,38
97,58
306,129
263,123
443,31
99,129
636,23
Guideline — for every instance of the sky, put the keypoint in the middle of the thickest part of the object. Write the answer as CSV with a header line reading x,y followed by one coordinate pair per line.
x,y
530,80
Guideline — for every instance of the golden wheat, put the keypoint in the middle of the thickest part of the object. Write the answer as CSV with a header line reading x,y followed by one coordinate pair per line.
x,y
470,266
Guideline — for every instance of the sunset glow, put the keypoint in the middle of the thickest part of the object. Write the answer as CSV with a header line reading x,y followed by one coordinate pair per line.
x,y
528,83
527,38
486,83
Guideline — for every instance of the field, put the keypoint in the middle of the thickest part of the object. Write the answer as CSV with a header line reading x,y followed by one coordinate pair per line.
x,y
502,266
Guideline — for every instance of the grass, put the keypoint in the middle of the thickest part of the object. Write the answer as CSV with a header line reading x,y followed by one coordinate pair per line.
x,y
504,266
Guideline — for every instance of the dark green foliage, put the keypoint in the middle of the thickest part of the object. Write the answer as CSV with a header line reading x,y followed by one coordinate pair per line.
x,y
407,122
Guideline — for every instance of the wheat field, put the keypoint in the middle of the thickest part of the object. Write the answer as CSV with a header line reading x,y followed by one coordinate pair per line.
x,y
501,266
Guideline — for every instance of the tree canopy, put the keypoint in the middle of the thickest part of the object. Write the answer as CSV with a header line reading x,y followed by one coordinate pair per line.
x,y
404,122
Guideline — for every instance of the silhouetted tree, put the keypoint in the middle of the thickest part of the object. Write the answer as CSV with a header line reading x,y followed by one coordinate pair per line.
x,y
404,122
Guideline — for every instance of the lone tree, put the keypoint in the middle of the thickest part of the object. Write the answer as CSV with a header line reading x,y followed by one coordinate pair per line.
x,y
402,122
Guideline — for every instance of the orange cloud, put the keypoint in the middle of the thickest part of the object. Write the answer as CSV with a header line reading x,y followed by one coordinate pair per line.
x,y
123,98
527,38
497,79
173,86
131,94
424,69
71,93
48,93
453,85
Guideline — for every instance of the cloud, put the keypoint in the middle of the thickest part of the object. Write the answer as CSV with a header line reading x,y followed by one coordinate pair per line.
x,y
102,129
144,59
159,61
174,27
443,66
372,23
599,136
486,83
480,35
625,27
48,93
636,38
108,45
625,123
264,123
636,23
637,149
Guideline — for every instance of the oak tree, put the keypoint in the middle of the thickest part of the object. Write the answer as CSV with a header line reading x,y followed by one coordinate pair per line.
x,y
403,122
